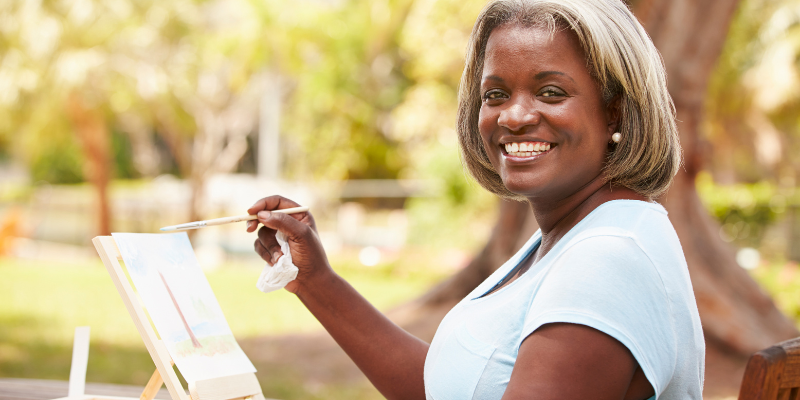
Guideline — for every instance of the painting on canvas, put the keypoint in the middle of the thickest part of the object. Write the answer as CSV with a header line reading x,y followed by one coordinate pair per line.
x,y
181,304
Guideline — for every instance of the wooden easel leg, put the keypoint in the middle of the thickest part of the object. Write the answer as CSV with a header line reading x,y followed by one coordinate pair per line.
x,y
153,385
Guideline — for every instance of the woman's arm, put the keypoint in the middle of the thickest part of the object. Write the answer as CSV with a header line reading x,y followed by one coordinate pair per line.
x,y
390,357
569,361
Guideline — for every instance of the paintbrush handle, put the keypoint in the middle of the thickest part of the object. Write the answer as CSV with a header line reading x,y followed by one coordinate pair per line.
x,y
228,220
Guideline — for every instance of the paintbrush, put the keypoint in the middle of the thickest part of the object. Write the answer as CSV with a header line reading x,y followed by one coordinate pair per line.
x,y
228,220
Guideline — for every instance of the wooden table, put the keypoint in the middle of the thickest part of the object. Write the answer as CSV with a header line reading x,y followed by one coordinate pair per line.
x,y
41,389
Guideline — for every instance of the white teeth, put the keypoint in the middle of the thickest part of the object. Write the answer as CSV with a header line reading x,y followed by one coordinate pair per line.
x,y
526,149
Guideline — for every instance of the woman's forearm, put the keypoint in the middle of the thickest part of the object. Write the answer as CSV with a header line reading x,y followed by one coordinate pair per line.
x,y
390,357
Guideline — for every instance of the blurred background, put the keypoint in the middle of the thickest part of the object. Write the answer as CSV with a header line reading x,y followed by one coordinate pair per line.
x,y
125,116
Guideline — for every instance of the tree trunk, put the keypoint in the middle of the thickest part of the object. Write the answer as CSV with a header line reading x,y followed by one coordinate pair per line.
x,y
734,311
94,138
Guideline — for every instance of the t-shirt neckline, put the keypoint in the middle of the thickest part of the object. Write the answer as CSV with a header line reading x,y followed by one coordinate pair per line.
x,y
532,245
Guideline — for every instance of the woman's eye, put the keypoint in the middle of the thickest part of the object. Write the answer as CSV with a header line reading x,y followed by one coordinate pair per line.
x,y
493,95
551,92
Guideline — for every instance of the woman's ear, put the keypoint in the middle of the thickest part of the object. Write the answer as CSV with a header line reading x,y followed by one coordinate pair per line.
x,y
613,114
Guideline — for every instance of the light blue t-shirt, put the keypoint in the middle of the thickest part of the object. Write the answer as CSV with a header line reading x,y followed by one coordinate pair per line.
x,y
620,270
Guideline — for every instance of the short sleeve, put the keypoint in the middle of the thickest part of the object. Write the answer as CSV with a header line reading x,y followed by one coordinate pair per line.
x,y
608,283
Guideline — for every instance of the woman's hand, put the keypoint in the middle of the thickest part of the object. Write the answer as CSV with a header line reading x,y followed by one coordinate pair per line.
x,y
301,234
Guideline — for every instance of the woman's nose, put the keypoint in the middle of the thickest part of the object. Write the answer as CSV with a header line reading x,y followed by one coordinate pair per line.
x,y
516,117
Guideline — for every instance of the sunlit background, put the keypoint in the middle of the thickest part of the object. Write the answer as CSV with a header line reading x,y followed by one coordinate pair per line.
x,y
125,116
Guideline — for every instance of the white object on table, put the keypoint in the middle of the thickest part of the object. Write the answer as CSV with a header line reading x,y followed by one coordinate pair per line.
x,y
80,359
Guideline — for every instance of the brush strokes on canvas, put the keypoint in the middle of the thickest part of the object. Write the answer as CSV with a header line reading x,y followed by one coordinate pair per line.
x,y
182,305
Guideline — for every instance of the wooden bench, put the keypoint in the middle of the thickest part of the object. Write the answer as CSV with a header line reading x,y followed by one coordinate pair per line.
x,y
773,374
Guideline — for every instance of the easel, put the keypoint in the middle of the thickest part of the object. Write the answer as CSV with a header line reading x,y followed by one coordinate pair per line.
x,y
243,386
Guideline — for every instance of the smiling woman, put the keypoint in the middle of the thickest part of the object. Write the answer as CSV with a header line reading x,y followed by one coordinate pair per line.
x,y
626,68
564,106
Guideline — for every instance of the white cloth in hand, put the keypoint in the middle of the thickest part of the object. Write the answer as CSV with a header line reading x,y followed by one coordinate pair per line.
x,y
284,271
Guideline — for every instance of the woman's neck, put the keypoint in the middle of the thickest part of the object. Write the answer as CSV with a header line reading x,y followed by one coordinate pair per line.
x,y
557,217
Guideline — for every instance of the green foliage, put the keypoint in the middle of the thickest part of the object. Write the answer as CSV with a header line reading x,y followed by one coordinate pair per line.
x,y
122,156
463,212
781,280
366,84
58,164
373,82
745,210
61,161
346,77
5,148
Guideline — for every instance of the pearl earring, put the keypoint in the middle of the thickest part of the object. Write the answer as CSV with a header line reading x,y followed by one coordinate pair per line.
x,y
616,137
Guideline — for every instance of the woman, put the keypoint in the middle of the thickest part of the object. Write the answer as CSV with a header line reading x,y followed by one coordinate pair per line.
x,y
564,105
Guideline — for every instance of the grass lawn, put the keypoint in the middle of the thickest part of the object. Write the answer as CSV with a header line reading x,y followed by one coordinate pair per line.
x,y
42,303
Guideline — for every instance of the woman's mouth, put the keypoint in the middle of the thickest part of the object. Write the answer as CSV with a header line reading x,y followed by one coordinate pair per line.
x,y
526,149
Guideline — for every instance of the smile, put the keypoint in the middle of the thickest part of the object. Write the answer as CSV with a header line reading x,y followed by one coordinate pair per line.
x,y
526,149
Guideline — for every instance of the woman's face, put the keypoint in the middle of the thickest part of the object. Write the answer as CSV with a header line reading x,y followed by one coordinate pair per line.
x,y
544,124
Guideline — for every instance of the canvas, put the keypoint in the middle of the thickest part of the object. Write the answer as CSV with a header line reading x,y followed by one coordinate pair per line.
x,y
182,305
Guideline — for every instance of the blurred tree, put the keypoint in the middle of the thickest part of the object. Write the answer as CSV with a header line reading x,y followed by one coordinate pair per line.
x,y
753,96
346,72
93,135
47,78
754,106
190,72
734,310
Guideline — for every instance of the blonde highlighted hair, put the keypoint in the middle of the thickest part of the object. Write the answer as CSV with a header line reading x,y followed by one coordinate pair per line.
x,y
625,63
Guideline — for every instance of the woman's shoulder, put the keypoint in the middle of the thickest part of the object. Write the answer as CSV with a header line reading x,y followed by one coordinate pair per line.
x,y
628,245
631,225
639,217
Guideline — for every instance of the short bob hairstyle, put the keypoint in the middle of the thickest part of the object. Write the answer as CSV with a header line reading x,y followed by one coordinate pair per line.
x,y
624,62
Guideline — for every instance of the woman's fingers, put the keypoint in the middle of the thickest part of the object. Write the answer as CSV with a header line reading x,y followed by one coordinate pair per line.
x,y
291,227
262,252
272,203
272,250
